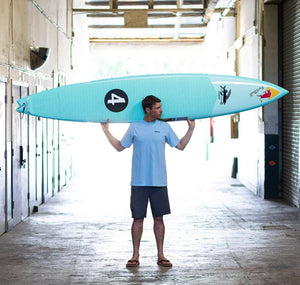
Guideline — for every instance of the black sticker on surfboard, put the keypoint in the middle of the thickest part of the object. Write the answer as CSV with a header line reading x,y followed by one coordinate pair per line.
x,y
224,94
116,100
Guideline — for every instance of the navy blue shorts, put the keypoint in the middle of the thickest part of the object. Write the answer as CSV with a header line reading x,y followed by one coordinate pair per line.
x,y
158,197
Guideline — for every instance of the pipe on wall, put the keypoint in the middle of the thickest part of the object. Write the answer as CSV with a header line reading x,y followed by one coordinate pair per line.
x,y
53,22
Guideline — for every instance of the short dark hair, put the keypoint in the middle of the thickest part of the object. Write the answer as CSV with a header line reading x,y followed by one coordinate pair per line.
x,y
149,102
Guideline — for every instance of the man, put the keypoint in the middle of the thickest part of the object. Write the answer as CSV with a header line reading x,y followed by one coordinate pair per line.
x,y
149,175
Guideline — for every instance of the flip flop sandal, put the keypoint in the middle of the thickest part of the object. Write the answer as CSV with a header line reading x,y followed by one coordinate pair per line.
x,y
132,263
164,263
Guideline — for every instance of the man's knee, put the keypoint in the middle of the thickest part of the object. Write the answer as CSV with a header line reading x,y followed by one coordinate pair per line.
x,y
158,219
138,221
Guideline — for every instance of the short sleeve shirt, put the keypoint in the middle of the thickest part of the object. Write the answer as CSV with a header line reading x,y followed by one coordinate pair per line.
x,y
148,158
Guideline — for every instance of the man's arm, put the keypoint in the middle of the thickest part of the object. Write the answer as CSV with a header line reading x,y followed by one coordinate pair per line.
x,y
185,140
113,141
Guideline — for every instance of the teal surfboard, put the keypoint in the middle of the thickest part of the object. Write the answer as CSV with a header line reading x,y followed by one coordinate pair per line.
x,y
183,95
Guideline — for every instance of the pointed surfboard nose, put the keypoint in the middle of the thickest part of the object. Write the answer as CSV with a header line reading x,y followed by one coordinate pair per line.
x,y
284,91
278,90
273,91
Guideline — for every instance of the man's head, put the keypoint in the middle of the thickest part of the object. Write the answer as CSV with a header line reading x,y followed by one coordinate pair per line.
x,y
149,102
152,107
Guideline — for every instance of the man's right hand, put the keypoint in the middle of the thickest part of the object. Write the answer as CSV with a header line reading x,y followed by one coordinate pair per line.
x,y
114,142
105,126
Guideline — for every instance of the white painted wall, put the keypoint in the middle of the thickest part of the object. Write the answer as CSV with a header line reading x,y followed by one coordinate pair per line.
x,y
23,25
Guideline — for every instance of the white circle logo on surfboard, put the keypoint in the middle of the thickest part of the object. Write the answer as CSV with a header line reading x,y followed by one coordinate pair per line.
x,y
116,100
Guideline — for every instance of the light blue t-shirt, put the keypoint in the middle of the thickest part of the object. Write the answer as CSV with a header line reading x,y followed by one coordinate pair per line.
x,y
148,159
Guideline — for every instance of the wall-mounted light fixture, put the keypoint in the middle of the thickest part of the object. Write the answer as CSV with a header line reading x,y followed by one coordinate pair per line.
x,y
38,57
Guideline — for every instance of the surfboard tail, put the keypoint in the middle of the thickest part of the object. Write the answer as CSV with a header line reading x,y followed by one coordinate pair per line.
x,y
24,106
21,109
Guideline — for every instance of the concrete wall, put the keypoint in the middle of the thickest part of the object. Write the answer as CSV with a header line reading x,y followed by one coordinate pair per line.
x,y
23,24
257,57
250,146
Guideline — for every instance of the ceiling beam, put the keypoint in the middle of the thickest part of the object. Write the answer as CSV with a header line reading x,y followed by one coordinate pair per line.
x,y
113,4
163,26
148,40
174,10
150,4
144,3
210,10
150,15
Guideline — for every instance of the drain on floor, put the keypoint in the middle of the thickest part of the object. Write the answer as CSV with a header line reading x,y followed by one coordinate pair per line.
x,y
275,227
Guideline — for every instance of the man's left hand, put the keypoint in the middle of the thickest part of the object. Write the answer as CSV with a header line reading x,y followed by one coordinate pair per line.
x,y
191,123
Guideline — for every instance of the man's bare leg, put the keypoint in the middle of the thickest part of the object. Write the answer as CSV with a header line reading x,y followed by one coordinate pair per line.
x,y
159,231
136,234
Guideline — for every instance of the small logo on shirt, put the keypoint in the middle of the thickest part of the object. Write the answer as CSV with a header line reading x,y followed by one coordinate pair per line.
x,y
157,132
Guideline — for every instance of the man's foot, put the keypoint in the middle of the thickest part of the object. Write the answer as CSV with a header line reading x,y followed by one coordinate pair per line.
x,y
164,262
132,263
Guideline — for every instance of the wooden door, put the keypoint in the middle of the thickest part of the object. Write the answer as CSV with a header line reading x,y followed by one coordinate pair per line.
x,y
20,191
31,162
24,160
56,176
48,160
38,160
35,133
2,157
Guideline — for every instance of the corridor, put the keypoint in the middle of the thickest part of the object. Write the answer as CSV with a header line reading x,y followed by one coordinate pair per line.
x,y
219,233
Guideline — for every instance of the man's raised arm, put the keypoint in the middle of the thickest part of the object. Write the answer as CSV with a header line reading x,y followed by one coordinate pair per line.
x,y
113,141
185,140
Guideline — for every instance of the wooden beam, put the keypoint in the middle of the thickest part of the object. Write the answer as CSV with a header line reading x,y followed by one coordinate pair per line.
x,y
148,40
135,19
173,10
165,26
210,10
153,15
150,4
113,4
144,3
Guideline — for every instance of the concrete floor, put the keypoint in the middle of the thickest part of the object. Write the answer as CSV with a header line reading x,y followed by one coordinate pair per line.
x,y
217,234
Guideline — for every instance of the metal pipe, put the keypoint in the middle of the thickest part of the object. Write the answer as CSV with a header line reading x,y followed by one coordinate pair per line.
x,y
210,10
53,22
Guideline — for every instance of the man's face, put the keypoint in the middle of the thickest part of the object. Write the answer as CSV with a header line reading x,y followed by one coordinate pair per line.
x,y
156,111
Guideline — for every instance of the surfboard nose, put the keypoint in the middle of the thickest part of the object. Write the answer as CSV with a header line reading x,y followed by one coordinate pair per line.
x,y
284,91
280,92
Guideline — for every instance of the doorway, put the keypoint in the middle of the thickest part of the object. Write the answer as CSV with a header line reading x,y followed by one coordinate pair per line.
x,y
2,157
18,193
